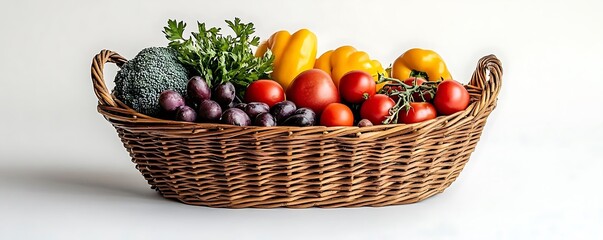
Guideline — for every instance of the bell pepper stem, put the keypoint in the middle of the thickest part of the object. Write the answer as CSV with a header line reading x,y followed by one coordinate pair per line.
x,y
418,74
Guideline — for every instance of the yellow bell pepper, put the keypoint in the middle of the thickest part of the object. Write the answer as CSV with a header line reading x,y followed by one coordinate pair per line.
x,y
293,54
340,61
421,63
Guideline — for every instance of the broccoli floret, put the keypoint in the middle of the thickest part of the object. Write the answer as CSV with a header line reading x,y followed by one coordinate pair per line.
x,y
141,80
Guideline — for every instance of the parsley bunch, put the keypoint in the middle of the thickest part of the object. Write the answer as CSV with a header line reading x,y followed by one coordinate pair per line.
x,y
219,58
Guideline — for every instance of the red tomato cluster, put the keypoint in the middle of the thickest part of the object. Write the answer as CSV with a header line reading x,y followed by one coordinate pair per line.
x,y
314,89
450,97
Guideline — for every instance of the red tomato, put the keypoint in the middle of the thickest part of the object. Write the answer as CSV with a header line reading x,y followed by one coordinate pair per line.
x,y
376,108
418,112
266,91
355,85
450,97
313,89
337,114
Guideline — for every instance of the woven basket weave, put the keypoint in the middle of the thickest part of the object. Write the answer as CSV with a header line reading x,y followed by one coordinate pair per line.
x,y
298,167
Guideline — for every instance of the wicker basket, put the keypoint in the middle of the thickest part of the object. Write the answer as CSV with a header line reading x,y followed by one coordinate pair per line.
x,y
220,165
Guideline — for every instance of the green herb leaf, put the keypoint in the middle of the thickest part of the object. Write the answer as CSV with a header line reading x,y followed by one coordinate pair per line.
x,y
220,58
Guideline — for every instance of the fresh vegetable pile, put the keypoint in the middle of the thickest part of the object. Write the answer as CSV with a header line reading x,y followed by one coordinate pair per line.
x,y
209,77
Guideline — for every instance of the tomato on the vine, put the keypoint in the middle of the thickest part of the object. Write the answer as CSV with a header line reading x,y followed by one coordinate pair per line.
x,y
356,86
451,97
416,97
418,112
266,91
337,114
376,108
415,81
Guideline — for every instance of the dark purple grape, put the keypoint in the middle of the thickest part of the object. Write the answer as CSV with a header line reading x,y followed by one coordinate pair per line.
x,y
186,113
197,89
265,120
224,94
299,120
209,111
240,106
307,113
235,116
254,108
365,123
283,110
170,100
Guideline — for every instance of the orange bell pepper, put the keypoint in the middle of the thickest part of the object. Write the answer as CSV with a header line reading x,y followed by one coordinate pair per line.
x,y
344,59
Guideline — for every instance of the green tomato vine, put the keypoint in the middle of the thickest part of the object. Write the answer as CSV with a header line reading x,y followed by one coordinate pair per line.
x,y
404,93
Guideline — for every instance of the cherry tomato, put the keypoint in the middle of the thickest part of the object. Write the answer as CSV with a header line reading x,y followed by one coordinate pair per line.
x,y
313,89
376,108
355,85
337,114
450,97
418,112
266,91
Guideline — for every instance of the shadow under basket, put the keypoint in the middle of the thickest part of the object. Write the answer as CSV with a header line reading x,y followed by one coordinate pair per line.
x,y
226,166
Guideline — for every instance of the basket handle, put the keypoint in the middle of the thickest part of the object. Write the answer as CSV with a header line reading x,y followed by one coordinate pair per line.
x,y
487,66
98,65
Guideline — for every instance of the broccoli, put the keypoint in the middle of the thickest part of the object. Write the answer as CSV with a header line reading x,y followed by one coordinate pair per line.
x,y
141,80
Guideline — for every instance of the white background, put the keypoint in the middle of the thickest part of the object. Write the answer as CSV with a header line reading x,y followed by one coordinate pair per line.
x,y
536,172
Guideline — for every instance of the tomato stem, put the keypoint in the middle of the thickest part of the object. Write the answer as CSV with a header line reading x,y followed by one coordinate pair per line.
x,y
404,93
